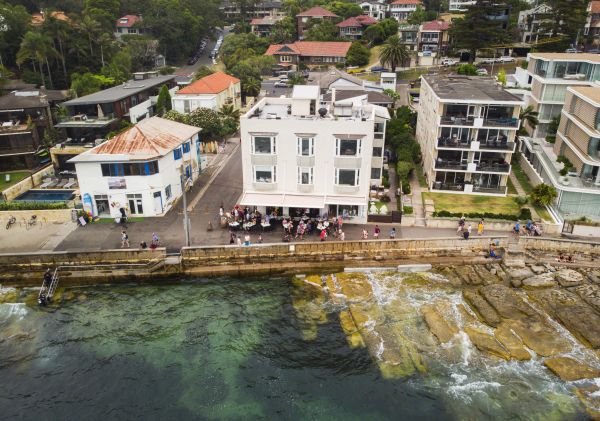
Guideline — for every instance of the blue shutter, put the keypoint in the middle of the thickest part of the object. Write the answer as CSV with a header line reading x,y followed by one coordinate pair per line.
x,y
147,168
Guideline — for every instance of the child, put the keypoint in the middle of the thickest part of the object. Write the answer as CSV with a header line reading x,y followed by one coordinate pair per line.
x,y
393,233
376,232
480,228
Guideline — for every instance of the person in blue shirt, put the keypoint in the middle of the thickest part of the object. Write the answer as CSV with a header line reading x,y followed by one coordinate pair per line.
x,y
517,228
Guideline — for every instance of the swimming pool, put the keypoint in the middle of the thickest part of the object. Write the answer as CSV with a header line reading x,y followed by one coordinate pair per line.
x,y
46,196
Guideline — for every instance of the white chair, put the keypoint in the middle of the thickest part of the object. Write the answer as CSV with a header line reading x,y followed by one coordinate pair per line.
x,y
70,183
46,183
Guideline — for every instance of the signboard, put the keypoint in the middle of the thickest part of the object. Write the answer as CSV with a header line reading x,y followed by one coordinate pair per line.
x,y
88,204
117,184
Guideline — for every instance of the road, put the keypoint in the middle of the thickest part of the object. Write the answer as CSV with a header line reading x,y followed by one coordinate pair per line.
x,y
268,87
204,60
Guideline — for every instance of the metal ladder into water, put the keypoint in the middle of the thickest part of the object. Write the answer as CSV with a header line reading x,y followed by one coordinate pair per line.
x,y
45,295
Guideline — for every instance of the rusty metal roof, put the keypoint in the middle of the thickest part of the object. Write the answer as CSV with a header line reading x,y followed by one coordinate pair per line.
x,y
152,137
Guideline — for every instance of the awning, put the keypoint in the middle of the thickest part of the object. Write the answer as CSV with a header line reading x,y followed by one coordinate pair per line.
x,y
346,200
283,200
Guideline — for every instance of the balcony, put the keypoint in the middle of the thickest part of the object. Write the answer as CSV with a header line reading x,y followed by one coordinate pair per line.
x,y
344,189
456,121
83,120
469,188
497,144
442,164
493,166
14,128
454,143
501,122
490,190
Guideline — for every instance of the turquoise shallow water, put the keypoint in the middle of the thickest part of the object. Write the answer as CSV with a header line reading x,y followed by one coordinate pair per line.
x,y
233,349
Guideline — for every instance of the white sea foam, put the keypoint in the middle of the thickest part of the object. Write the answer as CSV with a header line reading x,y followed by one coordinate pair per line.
x,y
8,310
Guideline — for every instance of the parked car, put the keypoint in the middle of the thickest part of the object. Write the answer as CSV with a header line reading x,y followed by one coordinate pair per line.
x,y
482,72
281,84
571,50
449,61
506,59
487,60
594,51
379,69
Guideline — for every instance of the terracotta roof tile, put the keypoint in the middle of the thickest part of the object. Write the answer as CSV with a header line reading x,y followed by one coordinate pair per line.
x,y
151,137
211,84
38,18
317,11
349,23
131,20
312,48
435,25
366,20
595,6
407,2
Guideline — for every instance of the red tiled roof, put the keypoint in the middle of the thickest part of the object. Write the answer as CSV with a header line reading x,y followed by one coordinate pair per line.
x,y
435,25
131,20
312,48
407,2
349,22
267,20
356,21
595,6
151,137
211,84
317,11
39,18
366,20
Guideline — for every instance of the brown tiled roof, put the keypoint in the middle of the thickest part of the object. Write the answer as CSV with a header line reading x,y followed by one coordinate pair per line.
x,y
407,2
366,20
317,11
211,84
435,25
350,22
312,48
131,20
267,20
151,137
595,6
38,18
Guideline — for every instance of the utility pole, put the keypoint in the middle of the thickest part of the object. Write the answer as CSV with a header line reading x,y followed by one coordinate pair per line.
x,y
186,221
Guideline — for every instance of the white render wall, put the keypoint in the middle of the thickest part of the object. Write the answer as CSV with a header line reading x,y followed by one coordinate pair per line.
x,y
92,182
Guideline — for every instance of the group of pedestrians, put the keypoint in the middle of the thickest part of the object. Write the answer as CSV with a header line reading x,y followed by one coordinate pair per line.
x,y
237,239
464,229
143,245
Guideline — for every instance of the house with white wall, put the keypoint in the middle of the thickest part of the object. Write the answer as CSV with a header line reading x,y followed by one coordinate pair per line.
x,y
299,155
212,91
140,170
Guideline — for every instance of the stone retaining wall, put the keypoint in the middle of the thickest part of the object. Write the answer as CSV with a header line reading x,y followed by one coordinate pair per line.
x,y
489,225
43,215
28,183
556,245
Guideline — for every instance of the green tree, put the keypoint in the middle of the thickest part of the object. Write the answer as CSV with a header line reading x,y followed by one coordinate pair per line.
x,y
358,55
567,18
58,30
203,71
119,68
394,53
381,31
14,21
421,15
344,9
88,83
322,31
297,79
177,116
104,12
91,28
37,48
163,102
209,121
476,31
392,94
543,194
251,87
230,118
467,69
5,75
528,116
502,77
283,31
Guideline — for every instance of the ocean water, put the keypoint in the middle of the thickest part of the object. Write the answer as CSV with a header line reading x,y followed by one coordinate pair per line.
x,y
245,349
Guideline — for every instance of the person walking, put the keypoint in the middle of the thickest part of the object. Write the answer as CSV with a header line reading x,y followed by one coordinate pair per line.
x,y
342,235
480,228
376,232
469,228
124,239
155,239
323,234
365,234
393,233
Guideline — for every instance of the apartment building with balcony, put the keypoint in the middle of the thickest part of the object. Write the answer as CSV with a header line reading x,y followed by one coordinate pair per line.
x,y
466,128
402,9
552,74
353,27
460,5
578,143
314,14
375,8
299,154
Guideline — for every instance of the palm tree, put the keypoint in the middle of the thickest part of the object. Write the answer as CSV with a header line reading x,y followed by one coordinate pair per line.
x,y
229,112
104,41
251,87
58,31
91,28
37,48
393,53
529,116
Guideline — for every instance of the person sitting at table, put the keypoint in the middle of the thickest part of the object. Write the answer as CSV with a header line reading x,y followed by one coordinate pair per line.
x,y
309,227
267,219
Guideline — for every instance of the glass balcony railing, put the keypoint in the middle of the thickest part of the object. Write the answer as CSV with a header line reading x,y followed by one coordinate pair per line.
x,y
442,164
452,142
501,122
490,166
457,121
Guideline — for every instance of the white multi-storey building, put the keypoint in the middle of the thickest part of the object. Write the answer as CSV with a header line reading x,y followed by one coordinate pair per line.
x,y
460,5
402,9
140,169
466,128
297,154
552,74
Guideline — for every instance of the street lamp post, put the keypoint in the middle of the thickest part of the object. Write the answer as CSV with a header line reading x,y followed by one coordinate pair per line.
x,y
186,221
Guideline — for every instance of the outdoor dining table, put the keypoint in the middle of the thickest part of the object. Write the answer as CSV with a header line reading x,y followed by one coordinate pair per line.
x,y
234,225
247,226
265,225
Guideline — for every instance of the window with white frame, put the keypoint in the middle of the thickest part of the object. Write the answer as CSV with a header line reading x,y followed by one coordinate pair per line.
x,y
305,175
348,147
306,146
377,152
285,59
265,174
263,145
345,177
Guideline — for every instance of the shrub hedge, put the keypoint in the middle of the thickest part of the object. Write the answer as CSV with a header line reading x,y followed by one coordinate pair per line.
x,y
18,205
525,213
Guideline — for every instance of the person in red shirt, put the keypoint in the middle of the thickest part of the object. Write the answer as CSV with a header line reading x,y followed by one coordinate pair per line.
x,y
323,235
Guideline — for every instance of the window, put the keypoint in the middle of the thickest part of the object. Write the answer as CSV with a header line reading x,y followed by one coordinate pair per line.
x,y
377,151
263,145
168,193
265,174
186,106
375,173
129,169
186,147
176,154
346,177
348,147
379,127
306,146
285,59
305,175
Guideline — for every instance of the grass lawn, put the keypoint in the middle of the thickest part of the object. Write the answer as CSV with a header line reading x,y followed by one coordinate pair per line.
x,y
543,213
412,74
511,187
421,177
15,177
521,176
467,203
371,77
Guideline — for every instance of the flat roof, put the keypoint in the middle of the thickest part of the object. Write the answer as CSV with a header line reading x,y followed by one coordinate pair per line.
x,y
122,91
305,92
469,88
590,92
595,58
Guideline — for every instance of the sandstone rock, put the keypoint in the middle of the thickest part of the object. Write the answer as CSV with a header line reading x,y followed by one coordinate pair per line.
x,y
506,302
493,271
353,337
512,343
570,369
482,308
590,293
439,326
538,269
539,336
582,322
590,397
468,275
486,276
516,283
486,342
569,278
520,273
545,280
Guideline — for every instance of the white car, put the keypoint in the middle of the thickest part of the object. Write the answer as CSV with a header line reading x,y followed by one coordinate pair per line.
x,y
482,72
281,84
487,61
449,62
506,59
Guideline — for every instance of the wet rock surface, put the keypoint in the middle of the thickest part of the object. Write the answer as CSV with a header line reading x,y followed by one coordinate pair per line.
x,y
570,369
